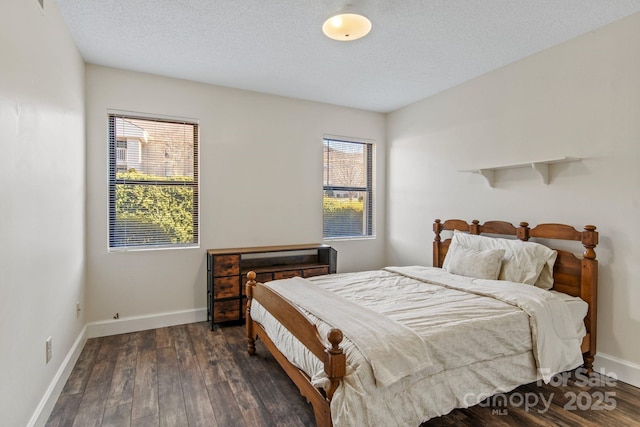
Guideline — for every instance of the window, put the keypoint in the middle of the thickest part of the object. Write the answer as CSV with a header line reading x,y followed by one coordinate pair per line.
x,y
153,183
348,189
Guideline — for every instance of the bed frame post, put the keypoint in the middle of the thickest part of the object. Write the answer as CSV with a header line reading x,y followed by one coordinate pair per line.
x,y
437,229
251,341
335,365
474,227
588,290
523,231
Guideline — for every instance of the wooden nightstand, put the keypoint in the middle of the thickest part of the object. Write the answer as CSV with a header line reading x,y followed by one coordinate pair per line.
x,y
227,273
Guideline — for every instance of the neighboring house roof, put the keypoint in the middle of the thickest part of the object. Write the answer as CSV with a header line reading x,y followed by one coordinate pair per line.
x,y
126,129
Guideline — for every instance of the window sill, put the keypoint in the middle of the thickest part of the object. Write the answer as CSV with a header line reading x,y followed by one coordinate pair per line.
x,y
348,239
116,250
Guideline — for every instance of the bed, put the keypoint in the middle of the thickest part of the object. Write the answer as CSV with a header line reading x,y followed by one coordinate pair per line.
x,y
478,322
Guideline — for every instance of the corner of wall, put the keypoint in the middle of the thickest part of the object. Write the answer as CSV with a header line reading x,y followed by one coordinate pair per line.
x,y
48,401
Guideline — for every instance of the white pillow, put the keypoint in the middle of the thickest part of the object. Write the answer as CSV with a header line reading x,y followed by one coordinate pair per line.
x,y
523,261
473,263
545,279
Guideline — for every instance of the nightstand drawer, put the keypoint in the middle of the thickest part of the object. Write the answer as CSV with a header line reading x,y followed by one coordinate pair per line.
x,y
287,274
225,287
318,271
225,311
260,278
226,265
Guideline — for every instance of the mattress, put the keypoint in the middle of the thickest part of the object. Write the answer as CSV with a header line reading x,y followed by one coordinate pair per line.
x,y
478,346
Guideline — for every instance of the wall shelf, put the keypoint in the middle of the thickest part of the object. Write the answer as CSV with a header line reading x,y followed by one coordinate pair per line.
x,y
540,166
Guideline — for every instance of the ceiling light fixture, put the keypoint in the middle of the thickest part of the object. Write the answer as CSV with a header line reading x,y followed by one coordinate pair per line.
x,y
346,25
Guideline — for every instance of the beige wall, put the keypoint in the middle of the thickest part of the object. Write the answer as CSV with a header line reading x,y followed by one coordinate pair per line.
x,y
42,200
580,99
261,184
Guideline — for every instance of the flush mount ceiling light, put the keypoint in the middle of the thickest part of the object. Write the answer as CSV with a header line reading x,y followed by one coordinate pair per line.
x,y
346,25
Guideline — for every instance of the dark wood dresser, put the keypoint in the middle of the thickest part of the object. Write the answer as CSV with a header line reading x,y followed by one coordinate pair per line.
x,y
227,273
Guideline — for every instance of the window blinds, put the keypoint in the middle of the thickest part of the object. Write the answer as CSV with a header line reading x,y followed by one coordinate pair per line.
x,y
348,189
153,183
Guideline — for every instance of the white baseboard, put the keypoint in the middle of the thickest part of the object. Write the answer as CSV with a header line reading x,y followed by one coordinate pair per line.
x,y
125,325
627,372
48,401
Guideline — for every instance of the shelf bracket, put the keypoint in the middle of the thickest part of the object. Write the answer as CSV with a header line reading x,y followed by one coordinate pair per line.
x,y
543,170
489,175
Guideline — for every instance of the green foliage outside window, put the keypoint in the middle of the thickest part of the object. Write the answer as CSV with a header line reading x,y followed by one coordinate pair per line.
x,y
343,216
164,212
335,205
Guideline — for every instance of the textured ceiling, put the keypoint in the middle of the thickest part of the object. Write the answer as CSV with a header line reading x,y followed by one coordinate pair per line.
x,y
416,48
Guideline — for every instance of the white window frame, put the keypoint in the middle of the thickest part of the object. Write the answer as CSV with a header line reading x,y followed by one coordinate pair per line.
x,y
368,188
114,167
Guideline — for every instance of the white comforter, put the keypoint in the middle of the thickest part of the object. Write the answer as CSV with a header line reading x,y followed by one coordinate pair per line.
x,y
376,337
556,343
479,345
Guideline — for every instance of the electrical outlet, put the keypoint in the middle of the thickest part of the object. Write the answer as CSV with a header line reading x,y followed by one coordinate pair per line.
x,y
48,348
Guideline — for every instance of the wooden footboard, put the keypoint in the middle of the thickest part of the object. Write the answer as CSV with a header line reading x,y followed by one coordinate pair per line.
x,y
291,318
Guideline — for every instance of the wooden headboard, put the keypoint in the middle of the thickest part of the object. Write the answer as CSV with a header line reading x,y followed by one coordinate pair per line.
x,y
571,275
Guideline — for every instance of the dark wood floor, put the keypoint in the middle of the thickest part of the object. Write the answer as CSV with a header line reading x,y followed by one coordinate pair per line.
x,y
190,376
